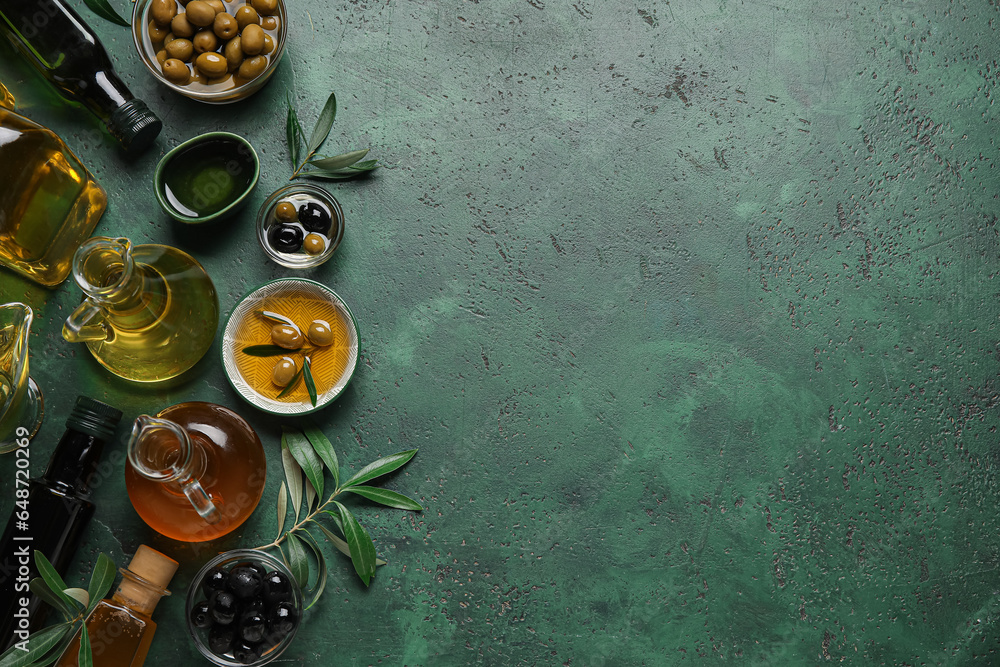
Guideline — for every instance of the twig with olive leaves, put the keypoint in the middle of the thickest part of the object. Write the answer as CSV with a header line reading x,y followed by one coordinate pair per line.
x,y
75,604
306,456
271,350
334,168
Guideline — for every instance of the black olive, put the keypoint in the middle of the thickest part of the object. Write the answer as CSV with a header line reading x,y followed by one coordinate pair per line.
x,y
282,619
315,217
257,604
215,580
244,582
245,654
261,570
200,617
277,588
285,238
252,626
220,638
222,607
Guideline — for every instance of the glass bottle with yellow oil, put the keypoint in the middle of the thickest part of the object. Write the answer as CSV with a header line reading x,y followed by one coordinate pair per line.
x,y
49,203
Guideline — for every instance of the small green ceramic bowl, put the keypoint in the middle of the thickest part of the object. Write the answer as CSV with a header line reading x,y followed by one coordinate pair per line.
x,y
206,178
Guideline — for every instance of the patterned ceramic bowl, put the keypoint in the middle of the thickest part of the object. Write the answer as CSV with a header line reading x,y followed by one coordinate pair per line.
x,y
250,356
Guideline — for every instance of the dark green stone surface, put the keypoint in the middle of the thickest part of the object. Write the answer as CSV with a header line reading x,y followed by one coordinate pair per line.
x,y
690,306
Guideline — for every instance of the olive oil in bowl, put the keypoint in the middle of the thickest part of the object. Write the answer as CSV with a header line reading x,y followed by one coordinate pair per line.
x,y
207,178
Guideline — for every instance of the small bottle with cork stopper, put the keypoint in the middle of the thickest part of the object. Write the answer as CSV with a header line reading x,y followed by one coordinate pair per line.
x,y
120,628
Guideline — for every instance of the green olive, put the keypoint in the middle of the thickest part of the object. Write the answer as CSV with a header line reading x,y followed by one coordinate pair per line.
x,y
314,244
246,15
180,49
253,39
265,7
233,53
284,371
200,13
211,64
268,45
269,22
205,41
198,77
225,26
286,336
176,71
217,5
286,212
156,33
161,56
169,37
180,26
320,332
252,67
163,11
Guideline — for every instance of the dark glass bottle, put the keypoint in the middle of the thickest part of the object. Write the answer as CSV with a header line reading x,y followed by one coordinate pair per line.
x,y
66,51
53,516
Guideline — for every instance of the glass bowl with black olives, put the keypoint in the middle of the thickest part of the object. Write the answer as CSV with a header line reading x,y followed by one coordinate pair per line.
x,y
300,226
243,608
213,51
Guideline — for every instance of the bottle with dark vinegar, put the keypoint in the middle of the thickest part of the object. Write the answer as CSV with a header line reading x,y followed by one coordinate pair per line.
x,y
66,51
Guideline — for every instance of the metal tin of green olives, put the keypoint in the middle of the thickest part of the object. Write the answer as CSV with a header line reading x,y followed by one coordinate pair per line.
x,y
206,178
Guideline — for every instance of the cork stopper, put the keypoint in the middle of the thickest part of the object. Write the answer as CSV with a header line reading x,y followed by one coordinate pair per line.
x,y
145,581
153,566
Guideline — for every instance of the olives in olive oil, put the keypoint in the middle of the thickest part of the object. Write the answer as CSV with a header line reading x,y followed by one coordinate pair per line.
x,y
207,177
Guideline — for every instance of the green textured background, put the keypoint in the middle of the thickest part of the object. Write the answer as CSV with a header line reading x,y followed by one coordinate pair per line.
x,y
690,306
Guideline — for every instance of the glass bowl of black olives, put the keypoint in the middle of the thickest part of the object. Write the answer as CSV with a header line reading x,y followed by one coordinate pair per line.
x,y
243,608
300,225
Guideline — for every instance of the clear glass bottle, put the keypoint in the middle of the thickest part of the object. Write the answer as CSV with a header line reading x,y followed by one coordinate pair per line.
x,y
66,51
150,311
195,471
49,202
120,628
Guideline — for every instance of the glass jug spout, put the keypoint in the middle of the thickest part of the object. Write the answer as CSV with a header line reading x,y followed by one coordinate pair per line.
x,y
161,451
20,400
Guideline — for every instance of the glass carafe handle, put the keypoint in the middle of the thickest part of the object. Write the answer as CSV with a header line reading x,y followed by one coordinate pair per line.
x,y
86,323
161,450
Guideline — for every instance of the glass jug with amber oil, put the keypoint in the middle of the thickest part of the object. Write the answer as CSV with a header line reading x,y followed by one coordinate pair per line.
x,y
195,471
150,311
49,203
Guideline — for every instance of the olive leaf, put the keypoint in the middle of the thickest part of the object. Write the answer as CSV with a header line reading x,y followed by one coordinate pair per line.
x,y
42,590
104,9
323,125
264,350
339,161
324,449
381,467
293,475
306,457
282,506
297,561
54,581
100,581
385,497
321,562
310,383
80,595
39,644
360,543
85,658
340,544
277,317
293,133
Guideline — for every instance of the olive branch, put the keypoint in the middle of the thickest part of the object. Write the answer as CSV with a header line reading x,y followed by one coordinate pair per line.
x,y
75,604
306,457
334,168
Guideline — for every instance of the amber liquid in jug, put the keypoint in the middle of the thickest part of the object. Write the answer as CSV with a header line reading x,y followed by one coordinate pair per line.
x,y
227,460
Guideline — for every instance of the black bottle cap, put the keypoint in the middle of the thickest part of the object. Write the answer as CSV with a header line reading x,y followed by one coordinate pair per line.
x,y
94,418
134,126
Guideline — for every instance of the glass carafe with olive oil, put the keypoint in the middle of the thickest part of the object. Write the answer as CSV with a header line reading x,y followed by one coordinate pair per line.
x,y
150,311
49,203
